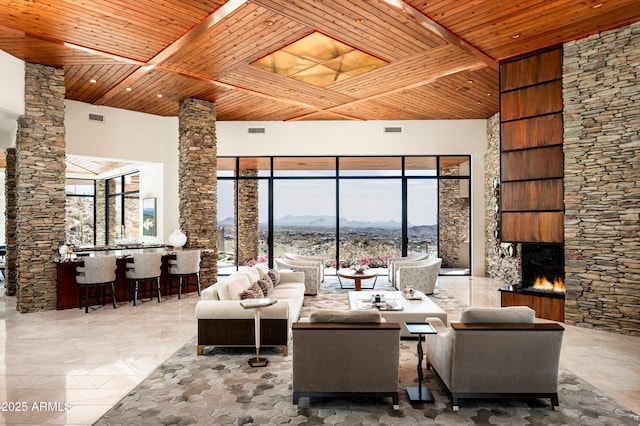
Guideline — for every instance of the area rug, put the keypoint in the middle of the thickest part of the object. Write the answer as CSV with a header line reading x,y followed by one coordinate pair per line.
x,y
220,388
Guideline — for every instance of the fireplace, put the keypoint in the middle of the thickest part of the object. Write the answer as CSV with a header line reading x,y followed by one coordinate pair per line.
x,y
542,285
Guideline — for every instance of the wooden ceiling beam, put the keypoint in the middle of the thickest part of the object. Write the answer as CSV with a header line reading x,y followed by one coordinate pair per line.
x,y
432,26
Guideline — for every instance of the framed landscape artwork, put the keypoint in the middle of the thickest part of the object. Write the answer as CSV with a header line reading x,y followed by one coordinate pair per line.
x,y
149,216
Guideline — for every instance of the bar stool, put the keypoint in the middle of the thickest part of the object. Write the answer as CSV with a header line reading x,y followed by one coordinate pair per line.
x,y
144,269
98,271
186,264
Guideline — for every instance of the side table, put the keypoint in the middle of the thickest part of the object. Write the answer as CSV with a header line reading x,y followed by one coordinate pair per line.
x,y
257,304
420,393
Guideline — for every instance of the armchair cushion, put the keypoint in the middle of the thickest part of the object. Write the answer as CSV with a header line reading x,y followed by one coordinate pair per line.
x,y
511,314
332,315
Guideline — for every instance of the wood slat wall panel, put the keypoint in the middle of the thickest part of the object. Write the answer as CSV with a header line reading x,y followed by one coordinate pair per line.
x,y
532,70
529,227
535,100
532,132
532,195
539,163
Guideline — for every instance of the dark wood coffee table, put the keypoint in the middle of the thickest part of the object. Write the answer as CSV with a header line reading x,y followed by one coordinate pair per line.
x,y
357,277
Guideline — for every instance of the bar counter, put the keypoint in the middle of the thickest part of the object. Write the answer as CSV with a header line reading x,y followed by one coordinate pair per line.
x,y
69,293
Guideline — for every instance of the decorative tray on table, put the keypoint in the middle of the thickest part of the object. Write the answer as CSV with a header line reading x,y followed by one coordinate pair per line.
x,y
416,295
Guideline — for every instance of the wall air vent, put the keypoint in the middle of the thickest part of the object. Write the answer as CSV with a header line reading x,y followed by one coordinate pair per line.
x,y
256,130
396,129
96,117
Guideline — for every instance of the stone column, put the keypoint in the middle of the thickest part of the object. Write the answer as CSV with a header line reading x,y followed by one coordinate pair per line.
x,y
197,185
498,265
247,214
10,222
40,192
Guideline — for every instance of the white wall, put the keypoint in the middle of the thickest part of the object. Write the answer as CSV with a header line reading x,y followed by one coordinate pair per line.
x,y
11,97
132,136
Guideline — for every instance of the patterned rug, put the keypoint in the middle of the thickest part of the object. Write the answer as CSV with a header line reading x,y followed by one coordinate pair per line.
x,y
220,388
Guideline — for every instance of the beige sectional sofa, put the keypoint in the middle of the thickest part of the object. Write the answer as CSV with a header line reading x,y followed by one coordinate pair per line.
x,y
222,321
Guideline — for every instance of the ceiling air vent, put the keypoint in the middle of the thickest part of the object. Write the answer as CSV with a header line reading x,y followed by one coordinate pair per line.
x,y
396,129
96,117
256,130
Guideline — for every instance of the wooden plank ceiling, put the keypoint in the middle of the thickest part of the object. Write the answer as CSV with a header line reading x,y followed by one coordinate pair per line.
x,y
147,56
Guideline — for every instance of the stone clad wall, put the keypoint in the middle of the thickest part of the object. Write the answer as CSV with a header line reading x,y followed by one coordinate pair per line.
x,y
247,215
197,184
453,221
602,180
10,222
40,191
498,265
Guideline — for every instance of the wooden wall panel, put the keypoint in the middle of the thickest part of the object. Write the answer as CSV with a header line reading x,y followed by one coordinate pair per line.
x,y
540,163
533,227
532,132
535,100
532,195
531,70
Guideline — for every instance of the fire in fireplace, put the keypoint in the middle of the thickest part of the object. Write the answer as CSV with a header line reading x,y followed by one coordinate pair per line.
x,y
544,284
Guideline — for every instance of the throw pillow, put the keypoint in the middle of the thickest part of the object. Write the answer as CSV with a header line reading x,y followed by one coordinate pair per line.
x,y
253,292
274,274
266,285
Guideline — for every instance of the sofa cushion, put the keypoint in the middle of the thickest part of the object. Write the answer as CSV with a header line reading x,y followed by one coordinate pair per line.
x,y
266,285
253,292
254,274
263,268
274,274
510,314
231,287
332,315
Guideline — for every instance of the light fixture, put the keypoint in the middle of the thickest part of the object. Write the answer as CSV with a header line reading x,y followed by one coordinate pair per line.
x,y
92,81
361,20
268,23
159,95
128,89
595,6
318,60
516,35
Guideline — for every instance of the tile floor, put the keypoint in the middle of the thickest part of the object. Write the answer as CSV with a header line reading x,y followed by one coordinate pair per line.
x,y
67,367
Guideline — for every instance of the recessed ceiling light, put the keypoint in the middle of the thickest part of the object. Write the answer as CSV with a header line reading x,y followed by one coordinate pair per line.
x,y
470,81
128,89
361,20
93,81
268,23
159,95
595,6
488,94
517,35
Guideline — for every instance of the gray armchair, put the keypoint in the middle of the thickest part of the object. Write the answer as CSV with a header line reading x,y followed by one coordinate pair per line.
x,y
421,274
496,353
394,262
312,273
346,353
314,259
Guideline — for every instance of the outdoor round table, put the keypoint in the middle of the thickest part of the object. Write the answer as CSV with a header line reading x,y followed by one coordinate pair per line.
x,y
357,277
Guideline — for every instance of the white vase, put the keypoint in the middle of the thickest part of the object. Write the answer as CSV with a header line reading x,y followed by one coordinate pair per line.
x,y
177,239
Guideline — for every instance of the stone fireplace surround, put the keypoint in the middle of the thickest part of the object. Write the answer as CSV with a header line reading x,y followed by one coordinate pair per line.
x,y
602,194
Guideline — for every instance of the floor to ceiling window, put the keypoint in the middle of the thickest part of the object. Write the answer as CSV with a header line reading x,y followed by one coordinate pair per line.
x,y
345,209
123,208
80,212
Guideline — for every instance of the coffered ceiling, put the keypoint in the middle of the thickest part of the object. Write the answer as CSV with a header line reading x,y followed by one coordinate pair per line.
x,y
439,58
